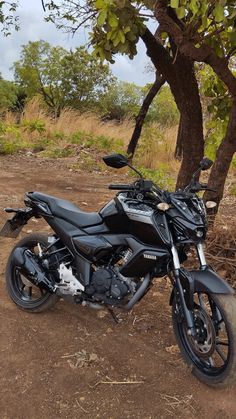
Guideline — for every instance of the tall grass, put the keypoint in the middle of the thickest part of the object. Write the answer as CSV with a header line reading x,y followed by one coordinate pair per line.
x,y
72,132
71,121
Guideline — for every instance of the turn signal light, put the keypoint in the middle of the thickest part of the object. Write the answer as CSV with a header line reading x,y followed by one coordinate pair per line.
x,y
210,204
163,206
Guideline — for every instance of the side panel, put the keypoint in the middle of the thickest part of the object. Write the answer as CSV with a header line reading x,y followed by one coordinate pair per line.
x,y
145,259
66,231
93,247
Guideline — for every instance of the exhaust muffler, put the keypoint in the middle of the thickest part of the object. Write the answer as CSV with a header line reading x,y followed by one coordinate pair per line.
x,y
28,265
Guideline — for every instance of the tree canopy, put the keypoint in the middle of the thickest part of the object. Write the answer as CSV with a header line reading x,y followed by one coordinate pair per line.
x,y
118,24
8,16
63,78
8,95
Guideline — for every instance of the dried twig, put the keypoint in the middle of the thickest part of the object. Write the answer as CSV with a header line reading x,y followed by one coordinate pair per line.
x,y
126,382
81,407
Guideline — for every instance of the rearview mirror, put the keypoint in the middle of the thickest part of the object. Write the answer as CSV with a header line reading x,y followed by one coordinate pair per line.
x,y
116,160
205,163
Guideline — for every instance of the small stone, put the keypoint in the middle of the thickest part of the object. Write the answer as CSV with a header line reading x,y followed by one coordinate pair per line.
x,y
157,294
173,349
93,357
29,154
101,314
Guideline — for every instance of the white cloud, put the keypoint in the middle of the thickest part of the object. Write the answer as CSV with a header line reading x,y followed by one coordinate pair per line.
x,y
33,28
133,70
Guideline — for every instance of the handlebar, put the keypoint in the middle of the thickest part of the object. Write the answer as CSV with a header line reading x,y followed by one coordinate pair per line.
x,y
122,187
197,187
143,186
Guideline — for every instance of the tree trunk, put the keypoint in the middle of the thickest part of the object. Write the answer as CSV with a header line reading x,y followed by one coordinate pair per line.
x,y
223,160
190,141
179,141
159,81
205,53
180,75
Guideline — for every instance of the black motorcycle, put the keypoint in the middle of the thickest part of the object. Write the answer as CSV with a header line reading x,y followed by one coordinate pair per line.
x,y
110,258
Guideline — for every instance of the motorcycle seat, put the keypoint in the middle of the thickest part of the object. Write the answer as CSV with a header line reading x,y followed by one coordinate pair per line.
x,y
68,211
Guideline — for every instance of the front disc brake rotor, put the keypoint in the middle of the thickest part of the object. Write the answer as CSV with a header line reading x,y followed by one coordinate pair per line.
x,y
203,344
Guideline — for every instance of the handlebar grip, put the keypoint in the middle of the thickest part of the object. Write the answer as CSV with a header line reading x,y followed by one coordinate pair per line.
x,y
121,187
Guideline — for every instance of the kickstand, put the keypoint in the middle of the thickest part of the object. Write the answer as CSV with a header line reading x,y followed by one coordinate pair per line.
x,y
113,315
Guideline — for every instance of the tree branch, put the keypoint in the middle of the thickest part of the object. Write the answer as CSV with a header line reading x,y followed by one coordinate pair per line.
x,y
187,47
158,83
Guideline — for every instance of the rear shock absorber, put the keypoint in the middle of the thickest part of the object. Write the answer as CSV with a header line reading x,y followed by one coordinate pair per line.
x,y
127,255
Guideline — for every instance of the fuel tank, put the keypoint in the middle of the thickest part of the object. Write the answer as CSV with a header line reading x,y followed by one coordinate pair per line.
x,y
132,216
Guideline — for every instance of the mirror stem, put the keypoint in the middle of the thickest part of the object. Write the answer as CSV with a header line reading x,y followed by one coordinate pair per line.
x,y
135,170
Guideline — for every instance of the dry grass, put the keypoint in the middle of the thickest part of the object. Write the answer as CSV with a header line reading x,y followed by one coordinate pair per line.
x,y
156,144
71,121
156,148
221,245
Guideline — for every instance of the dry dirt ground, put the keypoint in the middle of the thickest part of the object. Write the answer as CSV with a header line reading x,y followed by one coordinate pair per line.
x,y
73,362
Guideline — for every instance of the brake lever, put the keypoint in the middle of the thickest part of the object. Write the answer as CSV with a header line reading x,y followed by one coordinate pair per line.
x,y
201,187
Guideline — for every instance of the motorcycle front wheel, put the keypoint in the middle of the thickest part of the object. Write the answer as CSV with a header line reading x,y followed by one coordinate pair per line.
x,y
23,293
211,353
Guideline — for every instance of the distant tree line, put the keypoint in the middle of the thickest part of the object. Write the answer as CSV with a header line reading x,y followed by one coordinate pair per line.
x,y
78,80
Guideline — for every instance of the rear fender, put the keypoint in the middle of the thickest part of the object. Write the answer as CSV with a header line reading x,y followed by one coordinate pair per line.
x,y
13,227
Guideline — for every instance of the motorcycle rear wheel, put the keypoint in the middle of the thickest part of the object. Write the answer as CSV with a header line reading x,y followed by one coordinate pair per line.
x,y
211,354
22,292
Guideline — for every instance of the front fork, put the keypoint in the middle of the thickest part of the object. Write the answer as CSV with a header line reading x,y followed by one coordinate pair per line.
x,y
180,291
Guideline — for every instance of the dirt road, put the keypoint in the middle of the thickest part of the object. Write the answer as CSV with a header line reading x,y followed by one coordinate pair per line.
x,y
72,362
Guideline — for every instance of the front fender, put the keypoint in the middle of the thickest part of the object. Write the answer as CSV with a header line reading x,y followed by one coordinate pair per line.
x,y
202,280
210,281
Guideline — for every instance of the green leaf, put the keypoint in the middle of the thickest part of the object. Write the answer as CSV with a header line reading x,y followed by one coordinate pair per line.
x,y
180,11
232,37
112,20
174,4
99,4
116,41
121,37
102,17
126,29
194,6
218,12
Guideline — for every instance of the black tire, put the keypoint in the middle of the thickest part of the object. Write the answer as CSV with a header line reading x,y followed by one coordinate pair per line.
x,y
17,285
209,371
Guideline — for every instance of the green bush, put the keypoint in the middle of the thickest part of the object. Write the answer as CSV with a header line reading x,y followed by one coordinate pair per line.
x,y
100,142
10,140
233,190
160,177
55,152
34,125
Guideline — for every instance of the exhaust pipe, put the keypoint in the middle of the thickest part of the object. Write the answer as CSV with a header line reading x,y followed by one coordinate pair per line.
x,y
25,260
139,293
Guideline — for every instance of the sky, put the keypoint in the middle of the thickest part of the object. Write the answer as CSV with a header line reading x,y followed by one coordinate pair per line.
x,y
33,28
